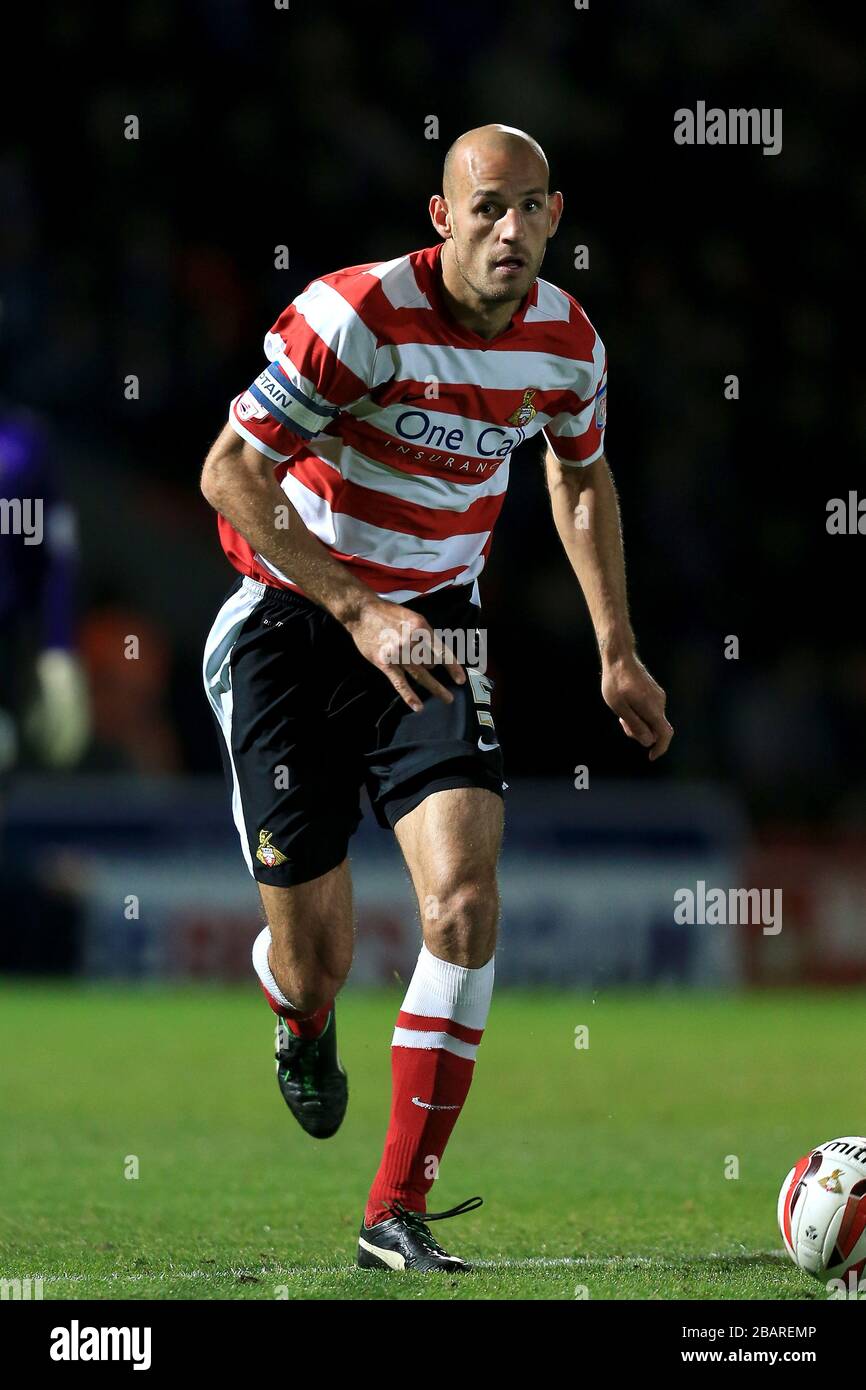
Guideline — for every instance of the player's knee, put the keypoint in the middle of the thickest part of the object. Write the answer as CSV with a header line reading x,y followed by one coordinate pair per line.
x,y
460,923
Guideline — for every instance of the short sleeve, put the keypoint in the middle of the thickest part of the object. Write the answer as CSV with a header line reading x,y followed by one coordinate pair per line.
x,y
320,358
577,437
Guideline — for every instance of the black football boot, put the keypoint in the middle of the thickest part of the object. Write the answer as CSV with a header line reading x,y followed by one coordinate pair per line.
x,y
311,1078
402,1241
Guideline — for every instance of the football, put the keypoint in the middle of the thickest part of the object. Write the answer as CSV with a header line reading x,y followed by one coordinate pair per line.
x,y
822,1209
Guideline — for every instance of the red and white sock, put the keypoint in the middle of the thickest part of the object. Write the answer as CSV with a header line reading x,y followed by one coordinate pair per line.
x,y
432,1060
302,1025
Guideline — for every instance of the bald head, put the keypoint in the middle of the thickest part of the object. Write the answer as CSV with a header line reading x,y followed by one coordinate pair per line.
x,y
496,214
501,143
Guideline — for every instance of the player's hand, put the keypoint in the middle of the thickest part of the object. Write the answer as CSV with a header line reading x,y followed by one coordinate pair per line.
x,y
630,691
403,646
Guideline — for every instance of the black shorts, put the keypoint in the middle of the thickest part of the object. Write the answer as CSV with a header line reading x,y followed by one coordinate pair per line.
x,y
305,721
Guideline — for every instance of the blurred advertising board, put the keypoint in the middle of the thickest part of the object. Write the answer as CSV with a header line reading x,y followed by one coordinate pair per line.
x,y
588,884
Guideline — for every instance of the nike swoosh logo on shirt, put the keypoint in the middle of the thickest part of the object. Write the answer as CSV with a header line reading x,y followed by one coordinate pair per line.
x,y
487,747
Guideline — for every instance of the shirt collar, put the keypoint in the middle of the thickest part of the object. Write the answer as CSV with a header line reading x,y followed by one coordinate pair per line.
x,y
431,262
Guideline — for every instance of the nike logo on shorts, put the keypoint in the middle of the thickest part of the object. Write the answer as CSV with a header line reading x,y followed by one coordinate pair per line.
x,y
486,747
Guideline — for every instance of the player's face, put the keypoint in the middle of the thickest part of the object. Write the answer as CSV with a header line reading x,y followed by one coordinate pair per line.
x,y
501,219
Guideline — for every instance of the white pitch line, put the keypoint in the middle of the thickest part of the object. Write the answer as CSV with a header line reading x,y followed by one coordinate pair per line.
x,y
624,1261
611,1262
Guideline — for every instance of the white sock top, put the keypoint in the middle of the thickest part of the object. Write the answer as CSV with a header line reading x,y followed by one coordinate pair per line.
x,y
440,989
263,970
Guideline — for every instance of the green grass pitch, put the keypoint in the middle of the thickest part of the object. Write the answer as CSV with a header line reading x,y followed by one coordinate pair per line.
x,y
602,1168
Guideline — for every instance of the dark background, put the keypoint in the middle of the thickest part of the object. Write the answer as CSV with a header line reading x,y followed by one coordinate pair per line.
x,y
306,128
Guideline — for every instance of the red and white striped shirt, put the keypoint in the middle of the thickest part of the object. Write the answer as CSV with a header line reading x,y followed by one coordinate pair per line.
x,y
391,427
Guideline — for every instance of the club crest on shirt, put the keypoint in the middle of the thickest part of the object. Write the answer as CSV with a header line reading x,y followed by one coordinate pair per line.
x,y
267,853
525,411
601,407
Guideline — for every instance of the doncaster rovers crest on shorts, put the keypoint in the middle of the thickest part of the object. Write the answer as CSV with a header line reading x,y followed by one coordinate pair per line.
x,y
267,853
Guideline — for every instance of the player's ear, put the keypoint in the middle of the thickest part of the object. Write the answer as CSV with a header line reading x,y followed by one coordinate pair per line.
x,y
554,204
440,216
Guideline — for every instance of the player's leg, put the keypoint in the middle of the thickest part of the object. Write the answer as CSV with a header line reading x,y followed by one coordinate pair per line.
x,y
302,958
295,804
451,845
308,952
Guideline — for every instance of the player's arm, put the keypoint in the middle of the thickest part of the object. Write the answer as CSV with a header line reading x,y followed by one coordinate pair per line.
x,y
239,482
586,516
